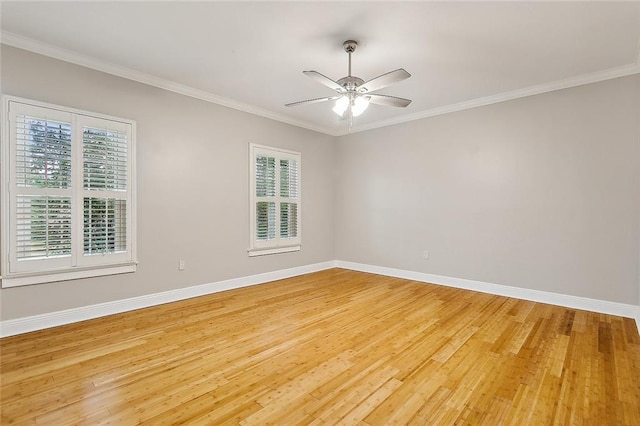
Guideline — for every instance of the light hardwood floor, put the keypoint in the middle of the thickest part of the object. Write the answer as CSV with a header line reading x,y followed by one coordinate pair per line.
x,y
333,347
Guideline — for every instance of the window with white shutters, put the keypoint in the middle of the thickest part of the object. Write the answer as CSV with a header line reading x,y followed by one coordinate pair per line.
x,y
275,200
67,194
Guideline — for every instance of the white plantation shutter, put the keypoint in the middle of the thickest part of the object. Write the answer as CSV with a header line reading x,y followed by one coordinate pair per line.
x,y
265,220
265,176
288,220
105,226
43,227
69,206
43,151
43,179
104,159
275,200
265,193
289,186
105,182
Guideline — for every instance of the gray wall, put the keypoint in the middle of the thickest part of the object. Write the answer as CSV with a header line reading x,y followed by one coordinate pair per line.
x,y
193,172
541,192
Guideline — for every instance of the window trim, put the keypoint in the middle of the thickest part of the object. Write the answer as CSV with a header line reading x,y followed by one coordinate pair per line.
x,y
115,265
278,245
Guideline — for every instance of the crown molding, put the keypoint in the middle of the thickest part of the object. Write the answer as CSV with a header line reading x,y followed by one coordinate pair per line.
x,y
26,43
45,49
580,80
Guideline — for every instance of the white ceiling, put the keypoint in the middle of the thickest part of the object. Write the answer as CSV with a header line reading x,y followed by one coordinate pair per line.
x,y
250,55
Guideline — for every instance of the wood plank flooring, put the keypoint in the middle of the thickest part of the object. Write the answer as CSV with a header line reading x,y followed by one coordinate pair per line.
x,y
333,347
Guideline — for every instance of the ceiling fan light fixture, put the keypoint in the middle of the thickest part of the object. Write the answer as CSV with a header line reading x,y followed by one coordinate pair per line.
x,y
360,104
352,93
341,105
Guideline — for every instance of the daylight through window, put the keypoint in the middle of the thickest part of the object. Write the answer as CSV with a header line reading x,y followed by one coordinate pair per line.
x,y
68,207
275,196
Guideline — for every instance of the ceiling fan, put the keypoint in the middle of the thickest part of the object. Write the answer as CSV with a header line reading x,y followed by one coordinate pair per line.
x,y
353,93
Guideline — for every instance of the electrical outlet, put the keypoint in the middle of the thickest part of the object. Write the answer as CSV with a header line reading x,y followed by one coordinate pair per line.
x,y
425,254
181,265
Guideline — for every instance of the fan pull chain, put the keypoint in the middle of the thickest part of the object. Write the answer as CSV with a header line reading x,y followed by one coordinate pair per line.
x,y
350,116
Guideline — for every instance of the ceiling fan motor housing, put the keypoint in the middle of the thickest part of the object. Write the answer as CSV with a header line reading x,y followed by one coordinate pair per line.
x,y
350,83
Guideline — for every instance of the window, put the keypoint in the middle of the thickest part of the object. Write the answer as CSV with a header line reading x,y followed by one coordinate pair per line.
x,y
275,200
68,205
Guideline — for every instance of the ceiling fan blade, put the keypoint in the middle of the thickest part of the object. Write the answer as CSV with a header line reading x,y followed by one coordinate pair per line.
x,y
384,80
388,100
324,80
312,101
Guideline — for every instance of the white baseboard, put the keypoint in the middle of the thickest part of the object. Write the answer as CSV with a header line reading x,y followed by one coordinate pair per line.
x,y
53,319
68,316
575,302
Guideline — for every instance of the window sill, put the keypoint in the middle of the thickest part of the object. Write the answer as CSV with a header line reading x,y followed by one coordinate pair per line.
x,y
17,280
277,250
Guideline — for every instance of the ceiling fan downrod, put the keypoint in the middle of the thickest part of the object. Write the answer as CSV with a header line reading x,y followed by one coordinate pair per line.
x,y
350,83
350,47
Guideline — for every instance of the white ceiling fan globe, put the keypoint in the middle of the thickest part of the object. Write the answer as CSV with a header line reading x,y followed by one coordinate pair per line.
x,y
357,104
